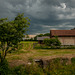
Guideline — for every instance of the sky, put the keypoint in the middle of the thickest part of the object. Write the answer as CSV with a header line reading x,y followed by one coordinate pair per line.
x,y
45,15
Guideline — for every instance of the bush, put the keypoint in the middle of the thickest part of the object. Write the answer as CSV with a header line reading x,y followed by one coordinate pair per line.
x,y
54,43
28,70
4,68
73,60
71,47
54,67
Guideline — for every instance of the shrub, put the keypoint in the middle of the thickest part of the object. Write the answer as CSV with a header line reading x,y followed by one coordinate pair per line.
x,y
73,60
55,67
71,47
47,42
54,43
28,70
4,68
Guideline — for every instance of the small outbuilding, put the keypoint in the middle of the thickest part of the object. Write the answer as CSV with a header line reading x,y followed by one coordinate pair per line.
x,y
40,39
66,37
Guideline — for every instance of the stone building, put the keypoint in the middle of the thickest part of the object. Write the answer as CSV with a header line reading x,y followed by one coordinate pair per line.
x,y
66,37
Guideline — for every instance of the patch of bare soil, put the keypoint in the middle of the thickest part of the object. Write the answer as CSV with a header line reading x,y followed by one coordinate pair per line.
x,y
14,63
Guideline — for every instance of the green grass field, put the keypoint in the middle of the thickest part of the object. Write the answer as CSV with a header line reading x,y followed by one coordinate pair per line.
x,y
27,52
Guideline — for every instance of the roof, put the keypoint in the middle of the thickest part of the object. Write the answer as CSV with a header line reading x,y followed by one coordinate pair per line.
x,y
62,33
43,37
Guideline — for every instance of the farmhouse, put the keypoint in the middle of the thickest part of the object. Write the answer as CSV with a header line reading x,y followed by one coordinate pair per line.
x,y
66,37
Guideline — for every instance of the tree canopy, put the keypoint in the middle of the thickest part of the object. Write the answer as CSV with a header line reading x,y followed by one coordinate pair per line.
x,y
12,32
40,35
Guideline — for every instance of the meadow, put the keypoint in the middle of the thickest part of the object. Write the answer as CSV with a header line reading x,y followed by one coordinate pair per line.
x,y
27,53
21,61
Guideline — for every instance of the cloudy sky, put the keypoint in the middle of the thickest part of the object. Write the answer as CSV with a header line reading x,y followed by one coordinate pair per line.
x,y
44,14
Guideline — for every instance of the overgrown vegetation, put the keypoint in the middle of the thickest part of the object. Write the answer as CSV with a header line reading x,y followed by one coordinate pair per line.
x,y
54,67
26,51
54,43
43,46
4,68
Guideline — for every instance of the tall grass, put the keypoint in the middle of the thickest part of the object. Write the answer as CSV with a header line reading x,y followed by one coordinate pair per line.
x,y
28,45
55,67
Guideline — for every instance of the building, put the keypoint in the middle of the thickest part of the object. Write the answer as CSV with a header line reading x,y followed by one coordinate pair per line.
x,y
66,37
40,39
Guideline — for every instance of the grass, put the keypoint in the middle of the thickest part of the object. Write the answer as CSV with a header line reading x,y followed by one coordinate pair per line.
x,y
54,67
27,52
27,45
16,58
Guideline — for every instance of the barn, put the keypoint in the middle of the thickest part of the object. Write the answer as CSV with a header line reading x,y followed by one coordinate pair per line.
x,y
66,37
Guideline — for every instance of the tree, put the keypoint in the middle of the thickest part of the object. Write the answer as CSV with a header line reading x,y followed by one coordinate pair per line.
x,y
27,36
40,35
35,38
52,42
46,34
11,33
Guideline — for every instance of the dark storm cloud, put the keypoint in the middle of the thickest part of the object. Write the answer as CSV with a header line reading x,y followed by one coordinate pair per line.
x,y
44,14
50,2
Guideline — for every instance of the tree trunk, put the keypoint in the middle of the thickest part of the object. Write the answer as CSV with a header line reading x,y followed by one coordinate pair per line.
x,y
4,50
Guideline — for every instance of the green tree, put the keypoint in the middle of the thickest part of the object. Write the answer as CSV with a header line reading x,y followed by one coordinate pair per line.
x,y
46,34
27,36
40,35
52,42
35,38
11,33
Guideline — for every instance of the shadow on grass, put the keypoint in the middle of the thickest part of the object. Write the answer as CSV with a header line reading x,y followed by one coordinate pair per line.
x,y
39,46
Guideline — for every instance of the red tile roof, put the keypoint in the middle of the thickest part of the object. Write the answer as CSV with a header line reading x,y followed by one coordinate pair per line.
x,y
62,33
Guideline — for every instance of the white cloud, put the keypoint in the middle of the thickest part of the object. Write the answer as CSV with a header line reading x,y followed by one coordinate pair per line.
x,y
63,5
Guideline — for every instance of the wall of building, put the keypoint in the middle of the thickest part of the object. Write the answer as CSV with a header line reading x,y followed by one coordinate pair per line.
x,y
67,40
